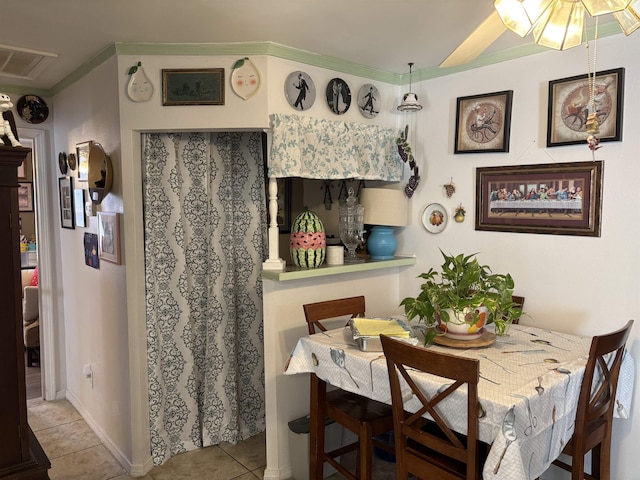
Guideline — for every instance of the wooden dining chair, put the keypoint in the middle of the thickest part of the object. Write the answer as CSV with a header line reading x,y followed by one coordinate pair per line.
x,y
365,417
520,302
594,416
430,449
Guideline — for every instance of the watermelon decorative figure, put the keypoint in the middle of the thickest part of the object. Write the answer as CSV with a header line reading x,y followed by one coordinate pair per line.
x,y
308,241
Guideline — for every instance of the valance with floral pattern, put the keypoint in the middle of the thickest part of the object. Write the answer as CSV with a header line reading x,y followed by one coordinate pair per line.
x,y
309,147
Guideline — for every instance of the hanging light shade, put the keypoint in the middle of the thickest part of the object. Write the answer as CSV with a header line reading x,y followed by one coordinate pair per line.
x,y
561,25
409,100
629,18
520,16
602,7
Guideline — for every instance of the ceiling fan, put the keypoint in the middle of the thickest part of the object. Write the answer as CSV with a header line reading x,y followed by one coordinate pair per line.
x,y
544,18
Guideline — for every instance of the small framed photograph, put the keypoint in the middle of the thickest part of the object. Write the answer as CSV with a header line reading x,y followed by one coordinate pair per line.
x,y
195,86
25,196
78,206
557,198
91,250
22,171
82,152
569,108
67,213
109,237
483,123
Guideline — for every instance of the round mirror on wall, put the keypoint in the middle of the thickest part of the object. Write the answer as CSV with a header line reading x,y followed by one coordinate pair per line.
x,y
100,174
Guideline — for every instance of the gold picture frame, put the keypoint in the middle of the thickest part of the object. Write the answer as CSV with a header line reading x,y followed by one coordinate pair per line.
x,y
193,86
82,153
556,198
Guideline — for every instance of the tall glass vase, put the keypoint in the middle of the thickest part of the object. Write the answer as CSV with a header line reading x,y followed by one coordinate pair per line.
x,y
351,220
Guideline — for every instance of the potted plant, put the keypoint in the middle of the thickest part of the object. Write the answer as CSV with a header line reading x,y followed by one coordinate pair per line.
x,y
463,297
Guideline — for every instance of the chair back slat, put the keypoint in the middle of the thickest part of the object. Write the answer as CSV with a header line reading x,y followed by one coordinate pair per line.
x,y
315,312
598,391
432,448
520,302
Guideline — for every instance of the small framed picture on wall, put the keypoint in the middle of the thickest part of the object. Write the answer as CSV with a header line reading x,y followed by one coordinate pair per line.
x,y
65,188
109,237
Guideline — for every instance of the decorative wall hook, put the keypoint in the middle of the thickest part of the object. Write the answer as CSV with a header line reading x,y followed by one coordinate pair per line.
x,y
450,188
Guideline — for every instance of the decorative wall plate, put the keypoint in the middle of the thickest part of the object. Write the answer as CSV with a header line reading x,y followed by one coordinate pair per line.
x,y
338,96
300,90
32,109
139,88
71,160
245,78
62,162
434,218
369,100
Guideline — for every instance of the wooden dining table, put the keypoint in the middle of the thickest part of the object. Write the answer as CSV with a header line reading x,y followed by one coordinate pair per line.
x,y
528,389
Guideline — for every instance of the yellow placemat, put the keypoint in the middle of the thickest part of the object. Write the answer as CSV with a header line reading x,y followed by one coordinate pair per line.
x,y
369,327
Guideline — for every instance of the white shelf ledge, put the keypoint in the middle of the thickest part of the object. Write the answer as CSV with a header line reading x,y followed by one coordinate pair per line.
x,y
296,273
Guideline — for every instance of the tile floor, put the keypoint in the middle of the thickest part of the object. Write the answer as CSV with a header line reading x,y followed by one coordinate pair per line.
x,y
76,453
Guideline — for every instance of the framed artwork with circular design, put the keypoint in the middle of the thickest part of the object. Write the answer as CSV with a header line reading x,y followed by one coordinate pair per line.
x,y
583,105
300,90
483,123
338,96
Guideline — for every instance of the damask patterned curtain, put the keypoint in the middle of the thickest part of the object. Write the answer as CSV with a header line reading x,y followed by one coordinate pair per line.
x,y
310,147
205,224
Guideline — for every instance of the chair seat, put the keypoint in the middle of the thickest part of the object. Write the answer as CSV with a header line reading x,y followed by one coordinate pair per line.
x,y
360,408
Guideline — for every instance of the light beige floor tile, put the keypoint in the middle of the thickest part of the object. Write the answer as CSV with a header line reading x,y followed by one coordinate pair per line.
x,y
251,452
209,463
67,438
43,414
259,472
95,463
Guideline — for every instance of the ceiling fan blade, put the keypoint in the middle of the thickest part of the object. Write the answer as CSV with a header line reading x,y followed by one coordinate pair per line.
x,y
476,43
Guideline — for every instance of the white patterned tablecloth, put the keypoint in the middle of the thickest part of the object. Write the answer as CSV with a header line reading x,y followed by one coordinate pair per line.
x,y
529,386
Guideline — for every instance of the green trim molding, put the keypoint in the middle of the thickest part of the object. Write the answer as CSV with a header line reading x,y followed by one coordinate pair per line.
x,y
293,54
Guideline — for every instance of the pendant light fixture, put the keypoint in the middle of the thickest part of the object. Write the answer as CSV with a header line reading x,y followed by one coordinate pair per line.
x,y
559,24
410,100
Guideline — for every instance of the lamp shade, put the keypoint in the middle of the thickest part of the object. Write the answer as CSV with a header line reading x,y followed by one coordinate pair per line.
x,y
520,15
602,7
629,18
384,206
410,103
561,25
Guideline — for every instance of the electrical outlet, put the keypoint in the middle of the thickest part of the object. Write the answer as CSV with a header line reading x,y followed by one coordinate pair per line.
x,y
87,370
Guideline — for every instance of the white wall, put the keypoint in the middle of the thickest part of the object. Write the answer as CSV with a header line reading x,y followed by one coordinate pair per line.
x,y
570,282
94,322
236,113
287,396
574,284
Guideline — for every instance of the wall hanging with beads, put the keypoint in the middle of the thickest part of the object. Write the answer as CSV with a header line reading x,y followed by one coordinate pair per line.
x,y
405,152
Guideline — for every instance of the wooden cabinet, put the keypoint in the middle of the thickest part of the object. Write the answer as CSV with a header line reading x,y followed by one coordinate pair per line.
x,y
21,456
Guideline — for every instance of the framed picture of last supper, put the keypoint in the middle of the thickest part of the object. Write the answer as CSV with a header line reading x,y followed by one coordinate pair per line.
x,y
558,198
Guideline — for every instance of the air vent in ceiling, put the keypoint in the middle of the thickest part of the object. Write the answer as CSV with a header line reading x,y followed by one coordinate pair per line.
x,y
19,62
